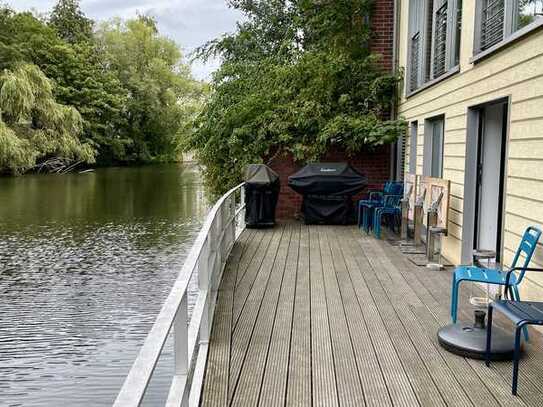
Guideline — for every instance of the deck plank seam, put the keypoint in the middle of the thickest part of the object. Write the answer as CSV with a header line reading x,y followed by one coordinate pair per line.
x,y
373,268
327,247
328,318
289,232
363,318
409,314
285,393
254,323
379,317
250,288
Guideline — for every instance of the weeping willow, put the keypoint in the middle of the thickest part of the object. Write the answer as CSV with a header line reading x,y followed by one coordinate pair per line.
x,y
34,128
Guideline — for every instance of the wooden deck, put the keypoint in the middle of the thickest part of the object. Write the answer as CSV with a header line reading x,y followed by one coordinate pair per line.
x,y
324,316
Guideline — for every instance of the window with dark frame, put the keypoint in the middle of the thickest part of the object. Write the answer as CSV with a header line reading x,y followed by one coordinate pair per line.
x,y
497,20
439,61
434,40
413,145
492,23
434,135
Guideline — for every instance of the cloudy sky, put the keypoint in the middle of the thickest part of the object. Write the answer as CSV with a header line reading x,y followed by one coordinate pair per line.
x,y
189,22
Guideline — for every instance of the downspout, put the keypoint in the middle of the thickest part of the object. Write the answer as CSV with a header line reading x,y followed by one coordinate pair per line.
x,y
395,64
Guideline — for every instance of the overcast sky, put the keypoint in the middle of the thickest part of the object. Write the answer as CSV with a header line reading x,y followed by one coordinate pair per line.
x,y
189,22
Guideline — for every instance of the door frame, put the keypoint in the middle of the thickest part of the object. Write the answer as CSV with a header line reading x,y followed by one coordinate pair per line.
x,y
470,221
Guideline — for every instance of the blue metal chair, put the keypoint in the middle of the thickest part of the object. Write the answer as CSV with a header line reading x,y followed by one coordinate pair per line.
x,y
495,276
376,198
391,206
521,313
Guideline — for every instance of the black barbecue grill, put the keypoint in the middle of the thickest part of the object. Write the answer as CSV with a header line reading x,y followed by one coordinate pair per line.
x,y
327,190
261,195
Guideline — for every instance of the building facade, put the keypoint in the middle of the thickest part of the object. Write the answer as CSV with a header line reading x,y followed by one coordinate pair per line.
x,y
473,97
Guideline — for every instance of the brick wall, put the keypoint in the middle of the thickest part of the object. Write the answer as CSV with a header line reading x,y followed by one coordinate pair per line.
x,y
374,164
382,25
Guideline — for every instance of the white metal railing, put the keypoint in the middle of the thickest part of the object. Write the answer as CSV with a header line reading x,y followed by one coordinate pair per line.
x,y
208,257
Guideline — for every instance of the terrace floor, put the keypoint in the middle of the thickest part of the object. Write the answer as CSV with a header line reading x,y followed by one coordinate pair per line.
x,y
326,316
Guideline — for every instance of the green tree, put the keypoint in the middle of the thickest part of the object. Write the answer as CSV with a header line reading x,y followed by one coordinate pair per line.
x,y
81,79
161,92
70,22
34,128
297,77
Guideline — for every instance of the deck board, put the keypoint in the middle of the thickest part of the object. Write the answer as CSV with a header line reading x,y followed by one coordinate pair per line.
x,y
299,369
274,383
327,316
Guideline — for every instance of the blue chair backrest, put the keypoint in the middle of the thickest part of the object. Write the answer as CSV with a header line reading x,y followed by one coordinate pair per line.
x,y
392,201
527,248
394,188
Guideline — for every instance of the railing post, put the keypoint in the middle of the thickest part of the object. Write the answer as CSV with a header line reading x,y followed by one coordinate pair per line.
x,y
233,223
181,342
203,285
242,205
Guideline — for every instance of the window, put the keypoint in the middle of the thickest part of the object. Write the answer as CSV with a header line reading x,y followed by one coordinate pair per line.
x,y
434,39
528,12
433,147
437,148
400,159
414,128
499,19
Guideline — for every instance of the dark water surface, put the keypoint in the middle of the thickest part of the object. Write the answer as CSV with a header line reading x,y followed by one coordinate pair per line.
x,y
86,261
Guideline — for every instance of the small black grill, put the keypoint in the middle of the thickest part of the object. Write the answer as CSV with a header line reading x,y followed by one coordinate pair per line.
x,y
261,194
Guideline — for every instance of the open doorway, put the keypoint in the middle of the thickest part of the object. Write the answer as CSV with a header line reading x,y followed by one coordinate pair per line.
x,y
485,179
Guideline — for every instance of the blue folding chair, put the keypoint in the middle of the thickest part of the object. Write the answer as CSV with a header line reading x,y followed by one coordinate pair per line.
x,y
391,207
521,313
376,198
494,276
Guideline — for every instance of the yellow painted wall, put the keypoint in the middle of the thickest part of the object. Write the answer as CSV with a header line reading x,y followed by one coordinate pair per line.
x,y
516,72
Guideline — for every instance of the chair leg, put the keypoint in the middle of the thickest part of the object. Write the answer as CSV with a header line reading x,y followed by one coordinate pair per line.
x,y
517,298
489,335
454,301
516,360
366,215
377,224
359,216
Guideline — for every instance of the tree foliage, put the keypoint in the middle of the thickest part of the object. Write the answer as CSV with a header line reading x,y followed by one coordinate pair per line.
x,y
135,98
159,85
70,22
297,77
33,126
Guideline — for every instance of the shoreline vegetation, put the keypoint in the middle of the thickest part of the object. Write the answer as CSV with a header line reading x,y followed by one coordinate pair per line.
x,y
77,94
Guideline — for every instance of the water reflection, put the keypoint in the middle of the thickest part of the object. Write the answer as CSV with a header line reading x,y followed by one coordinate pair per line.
x,y
86,261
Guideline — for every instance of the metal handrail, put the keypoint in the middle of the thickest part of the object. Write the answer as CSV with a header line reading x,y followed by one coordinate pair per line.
x,y
208,255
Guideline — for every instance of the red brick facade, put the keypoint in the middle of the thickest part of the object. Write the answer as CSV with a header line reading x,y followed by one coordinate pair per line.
x,y
382,25
374,164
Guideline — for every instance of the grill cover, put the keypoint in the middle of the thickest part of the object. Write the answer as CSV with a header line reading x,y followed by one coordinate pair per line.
x,y
261,194
260,175
327,179
328,189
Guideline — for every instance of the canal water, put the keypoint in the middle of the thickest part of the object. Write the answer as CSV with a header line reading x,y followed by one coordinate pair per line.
x,y
86,261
